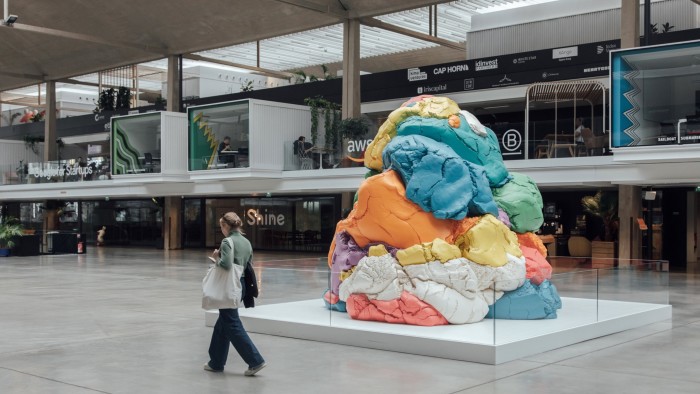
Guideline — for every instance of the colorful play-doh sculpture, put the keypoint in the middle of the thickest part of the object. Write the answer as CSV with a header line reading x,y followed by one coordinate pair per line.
x,y
440,232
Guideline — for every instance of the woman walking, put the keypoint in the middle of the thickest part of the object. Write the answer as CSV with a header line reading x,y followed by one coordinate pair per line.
x,y
228,327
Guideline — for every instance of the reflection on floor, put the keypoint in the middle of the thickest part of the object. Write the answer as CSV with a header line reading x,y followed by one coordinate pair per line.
x,y
129,321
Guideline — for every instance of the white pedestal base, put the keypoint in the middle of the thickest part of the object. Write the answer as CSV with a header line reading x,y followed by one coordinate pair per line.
x,y
484,342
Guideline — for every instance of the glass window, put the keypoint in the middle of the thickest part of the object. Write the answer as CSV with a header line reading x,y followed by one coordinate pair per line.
x,y
278,223
193,230
218,136
136,144
656,95
126,222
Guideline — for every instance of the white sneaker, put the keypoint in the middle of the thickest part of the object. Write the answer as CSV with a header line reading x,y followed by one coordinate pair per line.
x,y
253,371
210,369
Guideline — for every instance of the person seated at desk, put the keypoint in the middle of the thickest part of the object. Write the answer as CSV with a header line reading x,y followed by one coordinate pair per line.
x,y
225,152
302,149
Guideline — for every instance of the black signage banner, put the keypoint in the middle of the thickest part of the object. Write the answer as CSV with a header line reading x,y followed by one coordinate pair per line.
x,y
572,62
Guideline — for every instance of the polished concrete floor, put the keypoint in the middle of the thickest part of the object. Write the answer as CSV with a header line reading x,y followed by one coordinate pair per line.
x,y
129,321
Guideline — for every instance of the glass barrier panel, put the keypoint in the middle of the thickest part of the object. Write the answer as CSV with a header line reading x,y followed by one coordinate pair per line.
x,y
12,175
542,306
287,281
72,170
634,285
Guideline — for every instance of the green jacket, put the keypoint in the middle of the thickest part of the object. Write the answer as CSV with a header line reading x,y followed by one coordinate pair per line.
x,y
242,251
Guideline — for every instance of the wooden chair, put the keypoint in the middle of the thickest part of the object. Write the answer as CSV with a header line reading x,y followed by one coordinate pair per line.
x,y
593,144
542,151
585,149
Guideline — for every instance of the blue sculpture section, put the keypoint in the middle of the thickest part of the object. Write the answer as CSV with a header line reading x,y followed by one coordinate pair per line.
x,y
438,180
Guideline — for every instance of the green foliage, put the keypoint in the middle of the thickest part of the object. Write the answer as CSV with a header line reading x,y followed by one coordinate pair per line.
x,y
123,99
106,100
665,28
31,141
353,128
604,205
160,101
313,103
316,104
326,75
248,87
299,77
9,229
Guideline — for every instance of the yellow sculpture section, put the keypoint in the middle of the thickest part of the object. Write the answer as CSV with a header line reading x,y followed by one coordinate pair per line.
x,y
427,107
488,242
377,250
429,251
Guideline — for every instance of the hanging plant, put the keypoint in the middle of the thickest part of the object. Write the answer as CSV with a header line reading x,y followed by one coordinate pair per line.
x,y
313,103
328,125
331,124
31,141
316,104
336,127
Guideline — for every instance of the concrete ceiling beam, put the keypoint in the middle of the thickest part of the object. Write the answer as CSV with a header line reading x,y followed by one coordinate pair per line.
x,y
373,22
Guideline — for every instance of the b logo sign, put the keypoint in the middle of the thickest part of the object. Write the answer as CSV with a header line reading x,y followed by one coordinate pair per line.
x,y
511,141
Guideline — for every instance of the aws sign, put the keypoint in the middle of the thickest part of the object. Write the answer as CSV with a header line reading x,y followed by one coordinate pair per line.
x,y
358,146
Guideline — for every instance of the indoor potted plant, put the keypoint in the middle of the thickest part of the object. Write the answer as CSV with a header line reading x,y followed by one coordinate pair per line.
x,y
9,229
603,205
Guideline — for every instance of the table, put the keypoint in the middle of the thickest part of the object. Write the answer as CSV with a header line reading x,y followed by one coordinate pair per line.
x,y
321,151
226,157
561,141
148,166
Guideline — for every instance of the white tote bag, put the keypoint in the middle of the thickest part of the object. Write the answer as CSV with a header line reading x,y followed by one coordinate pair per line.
x,y
221,288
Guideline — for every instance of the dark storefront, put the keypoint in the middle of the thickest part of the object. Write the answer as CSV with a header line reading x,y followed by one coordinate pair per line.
x,y
293,223
127,222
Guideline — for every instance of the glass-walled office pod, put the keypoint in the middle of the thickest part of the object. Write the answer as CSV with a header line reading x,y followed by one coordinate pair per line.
x,y
247,136
655,93
136,144
218,136
150,143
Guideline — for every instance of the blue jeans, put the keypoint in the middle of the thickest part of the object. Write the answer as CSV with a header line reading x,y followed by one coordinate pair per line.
x,y
229,328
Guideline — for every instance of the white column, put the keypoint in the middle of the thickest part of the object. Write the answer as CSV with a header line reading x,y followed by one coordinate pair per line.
x,y
629,23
